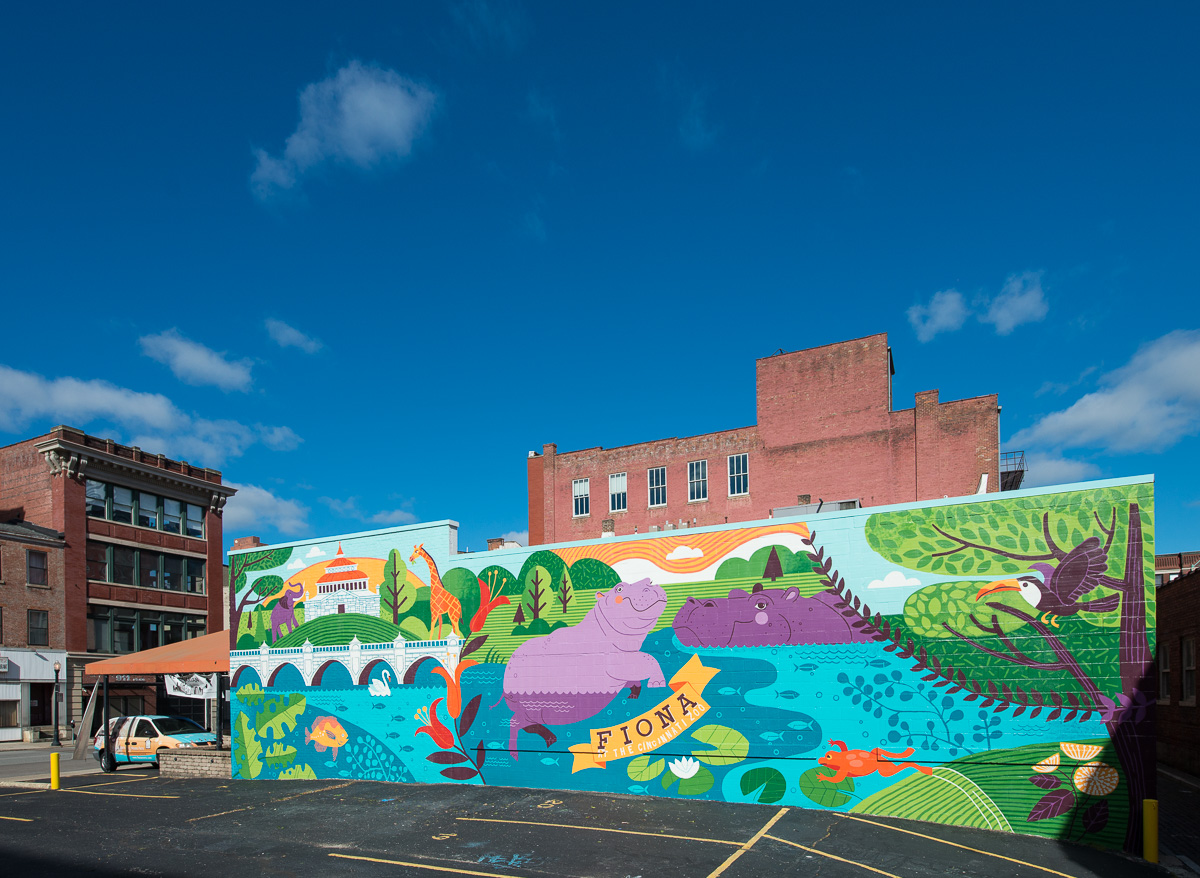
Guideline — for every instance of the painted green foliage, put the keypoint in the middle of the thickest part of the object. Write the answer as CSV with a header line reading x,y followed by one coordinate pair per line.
x,y
767,785
464,585
250,562
279,716
246,749
930,610
757,566
339,629
589,574
548,561
395,591
825,793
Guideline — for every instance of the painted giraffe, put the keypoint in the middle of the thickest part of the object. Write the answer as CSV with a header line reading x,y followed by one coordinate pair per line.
x,y
441,602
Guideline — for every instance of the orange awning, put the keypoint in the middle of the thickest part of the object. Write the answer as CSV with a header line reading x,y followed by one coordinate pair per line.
x,y
200,655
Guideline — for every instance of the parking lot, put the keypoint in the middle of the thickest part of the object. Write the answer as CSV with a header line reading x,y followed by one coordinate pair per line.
x,y
137,822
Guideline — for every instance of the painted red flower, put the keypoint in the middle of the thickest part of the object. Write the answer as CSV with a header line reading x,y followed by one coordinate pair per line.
x,y
454,685
433,727
486,605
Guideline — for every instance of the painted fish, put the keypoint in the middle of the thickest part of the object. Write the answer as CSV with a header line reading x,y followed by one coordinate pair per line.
x,y
801,726
340,707
878,663
408,748
326,733
638,788
771,736
398,718
807,666
789,694
729,690
547,760
378,706
393,734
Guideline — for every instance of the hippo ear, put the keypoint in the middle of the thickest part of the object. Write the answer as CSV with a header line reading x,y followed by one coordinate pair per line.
x,y
757,587
791,594
738,593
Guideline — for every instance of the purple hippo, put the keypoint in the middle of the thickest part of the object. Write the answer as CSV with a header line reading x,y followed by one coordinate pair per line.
x,y
574,673
764,617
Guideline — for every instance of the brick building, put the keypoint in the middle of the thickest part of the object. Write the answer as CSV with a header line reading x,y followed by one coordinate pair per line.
x,y
32,634
1178,718
826,431
140,534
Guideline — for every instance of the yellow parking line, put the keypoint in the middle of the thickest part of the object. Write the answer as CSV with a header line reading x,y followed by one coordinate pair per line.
x,y
832,856
455,870
957,845
220,814
18,819
751,843
273,801
598,829
23,793
123,795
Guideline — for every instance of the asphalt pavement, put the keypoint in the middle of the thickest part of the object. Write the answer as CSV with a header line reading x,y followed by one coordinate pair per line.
x,y
136,822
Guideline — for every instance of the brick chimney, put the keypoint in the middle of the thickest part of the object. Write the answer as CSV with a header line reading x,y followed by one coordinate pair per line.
x,y
246,543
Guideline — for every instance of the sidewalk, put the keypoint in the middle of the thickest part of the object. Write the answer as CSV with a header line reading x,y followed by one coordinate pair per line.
x,y
1178,827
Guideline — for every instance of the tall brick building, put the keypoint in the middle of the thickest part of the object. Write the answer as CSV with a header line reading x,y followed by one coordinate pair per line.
x,y
139,538
826,431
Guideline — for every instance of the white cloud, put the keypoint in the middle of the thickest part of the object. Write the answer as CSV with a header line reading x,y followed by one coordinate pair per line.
x,y
681,552
26,396
193,363
150,420
363,116
516,536
349,508
315,552
1020,301
1052,469
296,564
1148,404
289,337
945,312
253,509
895,579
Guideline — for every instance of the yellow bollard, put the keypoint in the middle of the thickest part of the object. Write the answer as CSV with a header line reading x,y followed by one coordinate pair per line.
x,y
1150,830
54,785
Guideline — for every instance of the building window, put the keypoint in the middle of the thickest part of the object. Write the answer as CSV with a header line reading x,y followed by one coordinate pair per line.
x,y
36,572
1,624
147,512
172,511
124,565
8,714
1164,674
195,520
656,481
122,504
148,569
195,576
39,628
618,498
739,474
581,497
698,480
173,573
1187,667
97,561
97,499
145,568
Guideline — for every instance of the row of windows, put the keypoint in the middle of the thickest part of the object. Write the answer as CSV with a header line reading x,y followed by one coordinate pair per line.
x,y
38,627
144,509
1187,660
121,629
147,568
656,486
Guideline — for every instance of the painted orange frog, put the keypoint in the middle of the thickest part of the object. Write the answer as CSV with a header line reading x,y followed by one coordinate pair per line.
x,y
860,763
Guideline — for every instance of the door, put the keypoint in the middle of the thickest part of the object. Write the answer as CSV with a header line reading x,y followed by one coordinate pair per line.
x,y
41,704
142,744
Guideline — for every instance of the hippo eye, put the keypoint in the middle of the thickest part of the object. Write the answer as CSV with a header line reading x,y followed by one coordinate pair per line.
x,y
760,605
618,589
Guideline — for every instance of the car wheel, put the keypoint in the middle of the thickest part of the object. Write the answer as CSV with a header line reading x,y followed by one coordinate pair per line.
x,y
108,762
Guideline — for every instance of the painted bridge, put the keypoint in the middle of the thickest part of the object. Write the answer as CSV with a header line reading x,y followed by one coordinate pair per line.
x,y
402,656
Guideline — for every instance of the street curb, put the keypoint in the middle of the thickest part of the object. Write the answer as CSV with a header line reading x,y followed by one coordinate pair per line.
x,y
24,785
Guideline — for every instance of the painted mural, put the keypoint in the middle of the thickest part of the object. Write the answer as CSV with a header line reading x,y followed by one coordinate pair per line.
x,y
981,662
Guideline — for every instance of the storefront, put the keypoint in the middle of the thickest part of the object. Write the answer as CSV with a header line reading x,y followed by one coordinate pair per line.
x,y
28,693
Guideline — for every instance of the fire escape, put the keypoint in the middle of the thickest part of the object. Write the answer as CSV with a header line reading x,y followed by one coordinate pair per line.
x,y
1012,470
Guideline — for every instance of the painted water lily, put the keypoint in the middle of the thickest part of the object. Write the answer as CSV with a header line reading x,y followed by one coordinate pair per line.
x,y
432,726
454,685
685,767
486,604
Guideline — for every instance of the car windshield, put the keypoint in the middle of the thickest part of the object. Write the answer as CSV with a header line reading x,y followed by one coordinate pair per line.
x,y
176,725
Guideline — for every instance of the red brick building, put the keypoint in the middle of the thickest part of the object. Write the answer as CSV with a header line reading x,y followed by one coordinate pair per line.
x,y
141,537
826,431
1178,717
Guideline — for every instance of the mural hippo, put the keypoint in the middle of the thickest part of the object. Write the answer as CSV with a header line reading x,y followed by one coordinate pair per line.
x,y
574,673
764,617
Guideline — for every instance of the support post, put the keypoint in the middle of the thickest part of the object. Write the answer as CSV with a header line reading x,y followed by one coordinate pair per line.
x,y
54,780
1150,830
107,756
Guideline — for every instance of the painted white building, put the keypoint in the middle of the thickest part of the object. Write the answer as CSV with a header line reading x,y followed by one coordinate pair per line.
x,y
342,588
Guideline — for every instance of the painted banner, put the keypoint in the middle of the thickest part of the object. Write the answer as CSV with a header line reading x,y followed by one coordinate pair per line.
x,y
192,685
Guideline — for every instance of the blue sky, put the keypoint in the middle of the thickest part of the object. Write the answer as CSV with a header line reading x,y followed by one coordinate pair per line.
x,y
364,260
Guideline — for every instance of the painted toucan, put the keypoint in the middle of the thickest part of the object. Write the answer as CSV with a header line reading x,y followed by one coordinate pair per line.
x,y
1057,590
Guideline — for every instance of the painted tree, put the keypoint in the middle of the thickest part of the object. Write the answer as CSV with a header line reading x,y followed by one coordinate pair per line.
x,y
1092,560
242,564
537,592
774,569
564,590
548,561
591,574
395,592
464,585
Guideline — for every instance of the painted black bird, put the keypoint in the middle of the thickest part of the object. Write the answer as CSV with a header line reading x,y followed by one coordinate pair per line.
x,y
1056,591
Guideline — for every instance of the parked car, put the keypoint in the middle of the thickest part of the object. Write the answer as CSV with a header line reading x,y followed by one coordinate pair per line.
x,y
141,738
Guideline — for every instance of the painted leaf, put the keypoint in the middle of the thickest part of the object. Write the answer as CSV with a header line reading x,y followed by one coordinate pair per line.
x,y
700,782
823,792
767,782
1095,818
730,745
298,772
1082,752
480,754
468,716
280,713
644,768
1045,781
472,646
1047,765
1053,804
459,772
447,757
246,749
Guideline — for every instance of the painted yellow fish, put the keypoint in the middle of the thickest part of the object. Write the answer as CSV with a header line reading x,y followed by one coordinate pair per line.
x,y
326,733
